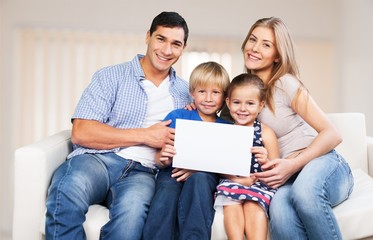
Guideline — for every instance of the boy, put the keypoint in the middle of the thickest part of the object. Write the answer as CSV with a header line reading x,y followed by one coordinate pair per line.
x,y
182,207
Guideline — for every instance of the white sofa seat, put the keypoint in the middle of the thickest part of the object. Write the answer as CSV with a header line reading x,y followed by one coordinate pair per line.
x,y
35,164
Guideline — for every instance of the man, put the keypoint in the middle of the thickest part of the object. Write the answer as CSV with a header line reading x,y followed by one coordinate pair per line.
x,y
116,129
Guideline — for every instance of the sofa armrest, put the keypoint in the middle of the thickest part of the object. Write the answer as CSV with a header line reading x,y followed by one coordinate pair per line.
x,y
370,155
34,166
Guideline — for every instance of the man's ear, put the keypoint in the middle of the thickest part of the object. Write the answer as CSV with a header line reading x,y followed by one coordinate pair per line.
x,y
147,38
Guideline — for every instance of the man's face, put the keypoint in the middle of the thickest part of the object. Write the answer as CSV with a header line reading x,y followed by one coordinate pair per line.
x,y
165,46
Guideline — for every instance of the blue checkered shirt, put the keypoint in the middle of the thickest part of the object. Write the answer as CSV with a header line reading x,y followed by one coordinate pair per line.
x,y
116,97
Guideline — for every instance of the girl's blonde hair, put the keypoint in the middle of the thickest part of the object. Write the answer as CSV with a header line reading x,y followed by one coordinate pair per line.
x,y
284,45
209,73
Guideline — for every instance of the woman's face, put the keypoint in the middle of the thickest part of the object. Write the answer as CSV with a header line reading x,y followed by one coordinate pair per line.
x,y
260,52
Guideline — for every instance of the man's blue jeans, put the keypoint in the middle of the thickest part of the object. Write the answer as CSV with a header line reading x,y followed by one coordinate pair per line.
x,y
182,210
124,186
302,208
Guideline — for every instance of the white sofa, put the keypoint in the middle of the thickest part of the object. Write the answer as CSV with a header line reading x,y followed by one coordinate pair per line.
x,y
35,164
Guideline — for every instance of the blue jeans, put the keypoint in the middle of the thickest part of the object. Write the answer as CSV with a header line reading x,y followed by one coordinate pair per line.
x,y
124,186
302,208
182,210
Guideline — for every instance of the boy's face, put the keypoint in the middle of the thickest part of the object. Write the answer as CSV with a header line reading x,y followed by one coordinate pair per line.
x,y
165,46
208,100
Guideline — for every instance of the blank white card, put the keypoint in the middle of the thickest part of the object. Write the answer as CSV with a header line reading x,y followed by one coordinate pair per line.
x,y
213,147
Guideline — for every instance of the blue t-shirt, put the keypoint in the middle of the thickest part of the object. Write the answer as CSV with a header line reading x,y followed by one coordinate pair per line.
x,y
188,115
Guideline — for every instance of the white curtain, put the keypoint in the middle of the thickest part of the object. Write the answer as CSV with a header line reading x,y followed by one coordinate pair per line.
x,y
54,66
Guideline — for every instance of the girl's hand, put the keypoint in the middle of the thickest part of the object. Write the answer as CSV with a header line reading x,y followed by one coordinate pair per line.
x,y
261,154
246,181
190,107
276,172
181,175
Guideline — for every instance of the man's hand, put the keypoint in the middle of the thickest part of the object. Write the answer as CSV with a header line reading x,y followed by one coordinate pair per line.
x,y
159,134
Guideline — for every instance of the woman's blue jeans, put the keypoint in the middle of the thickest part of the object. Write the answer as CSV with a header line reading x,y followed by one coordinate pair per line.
x,y
302,208
182,210
124,186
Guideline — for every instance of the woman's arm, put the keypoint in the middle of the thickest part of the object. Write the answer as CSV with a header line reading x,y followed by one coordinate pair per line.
x,y
280,170
327,138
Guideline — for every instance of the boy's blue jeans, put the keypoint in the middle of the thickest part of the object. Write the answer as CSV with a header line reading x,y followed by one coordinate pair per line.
x,y
125,186
302,208
182,210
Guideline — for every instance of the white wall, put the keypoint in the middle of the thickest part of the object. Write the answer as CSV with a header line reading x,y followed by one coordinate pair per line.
x,y
331,33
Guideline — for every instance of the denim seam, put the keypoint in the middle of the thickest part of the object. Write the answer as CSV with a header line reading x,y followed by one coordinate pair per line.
x,y
58,197
325,207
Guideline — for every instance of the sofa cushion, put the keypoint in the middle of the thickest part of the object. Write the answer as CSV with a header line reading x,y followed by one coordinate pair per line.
x,y
355,216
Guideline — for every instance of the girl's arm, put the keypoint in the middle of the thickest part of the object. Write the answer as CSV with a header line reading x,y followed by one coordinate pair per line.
x,y
246,181
271,144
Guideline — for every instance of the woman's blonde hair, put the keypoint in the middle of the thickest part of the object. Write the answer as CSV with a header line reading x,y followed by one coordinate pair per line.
x,y
284,45
209,73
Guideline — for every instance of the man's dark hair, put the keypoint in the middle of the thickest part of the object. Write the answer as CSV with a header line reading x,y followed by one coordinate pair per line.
x,y
170,20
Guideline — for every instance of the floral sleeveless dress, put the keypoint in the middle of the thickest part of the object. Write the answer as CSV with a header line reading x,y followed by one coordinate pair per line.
x,y
258,192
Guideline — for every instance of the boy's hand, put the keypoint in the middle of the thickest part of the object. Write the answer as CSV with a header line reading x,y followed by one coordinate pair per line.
x,y
181,175
167,153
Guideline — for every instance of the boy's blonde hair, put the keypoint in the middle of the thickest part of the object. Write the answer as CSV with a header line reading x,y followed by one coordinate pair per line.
x,y
209,73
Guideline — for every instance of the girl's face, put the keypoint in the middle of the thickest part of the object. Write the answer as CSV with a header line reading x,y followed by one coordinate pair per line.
x,y
260,52
208,100
244,105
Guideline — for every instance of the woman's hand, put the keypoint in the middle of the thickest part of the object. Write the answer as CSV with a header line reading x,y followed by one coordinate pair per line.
x,y
181,175
276,172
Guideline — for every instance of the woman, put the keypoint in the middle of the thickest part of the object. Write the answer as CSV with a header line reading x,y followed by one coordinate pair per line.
x,y
312,177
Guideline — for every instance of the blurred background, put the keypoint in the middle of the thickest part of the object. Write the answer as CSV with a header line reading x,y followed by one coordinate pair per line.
x,y
49,50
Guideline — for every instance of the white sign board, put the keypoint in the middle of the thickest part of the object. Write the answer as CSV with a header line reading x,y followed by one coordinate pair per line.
x,y
213,147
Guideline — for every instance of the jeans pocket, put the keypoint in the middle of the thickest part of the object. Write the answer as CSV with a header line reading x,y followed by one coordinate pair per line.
x,y
128,168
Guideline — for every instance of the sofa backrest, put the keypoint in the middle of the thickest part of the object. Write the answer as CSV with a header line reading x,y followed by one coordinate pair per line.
x,y
354,146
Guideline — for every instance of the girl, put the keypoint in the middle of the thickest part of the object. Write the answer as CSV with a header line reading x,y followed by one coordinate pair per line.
x,y
245,199
312,177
